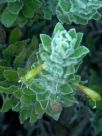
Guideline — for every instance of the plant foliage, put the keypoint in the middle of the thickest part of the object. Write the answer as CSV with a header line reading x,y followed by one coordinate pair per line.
x,y
46,83
52,88
21,12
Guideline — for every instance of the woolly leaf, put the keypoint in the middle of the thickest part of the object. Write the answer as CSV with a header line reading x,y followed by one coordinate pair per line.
x,y
15,35
13,49
46,42
16,108
8,104
66,89
8,18
24,115
79,39
19,60
27,100
15,7
21,21
27,91
10,75
38,109
67,100
33,116
59,27
27,11
8,90
79,52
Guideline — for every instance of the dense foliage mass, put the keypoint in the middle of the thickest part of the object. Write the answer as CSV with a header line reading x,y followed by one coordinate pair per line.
x,y
39,68
21,12
61,55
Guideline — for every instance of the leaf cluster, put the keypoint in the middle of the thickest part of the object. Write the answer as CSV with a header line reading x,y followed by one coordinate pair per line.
x,y
61,54
22,12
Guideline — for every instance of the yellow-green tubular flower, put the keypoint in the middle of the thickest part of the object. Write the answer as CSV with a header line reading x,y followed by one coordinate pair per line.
x,y
89,92
32,73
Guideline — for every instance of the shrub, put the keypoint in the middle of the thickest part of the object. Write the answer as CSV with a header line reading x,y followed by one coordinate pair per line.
x,y
50,82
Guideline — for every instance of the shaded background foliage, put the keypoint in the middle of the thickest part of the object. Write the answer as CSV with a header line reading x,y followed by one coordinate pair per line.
x,y
78,120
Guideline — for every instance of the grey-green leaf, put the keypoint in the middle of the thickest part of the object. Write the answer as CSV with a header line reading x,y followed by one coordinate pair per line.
x,y
10,75
15,7
8,104
80,52
8,18
46,42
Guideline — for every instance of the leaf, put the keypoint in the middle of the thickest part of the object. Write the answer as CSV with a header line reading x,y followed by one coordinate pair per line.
x,y
44,104
24,115
28,11
80,52
79,39
37,88
8,90
58,28
68,100
64,5
10,75
43,55
33,116
16,108
8,104
38,109
72,33
80,19
27,100
30,7
96,16
2,68
66,89
43,96
14,8
17,94
19,60
63,18
15,35
21,20
56,58
47,14
46,42
27,91
5,83
8,18
21,72
70,70
3,62
14,49
74,79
